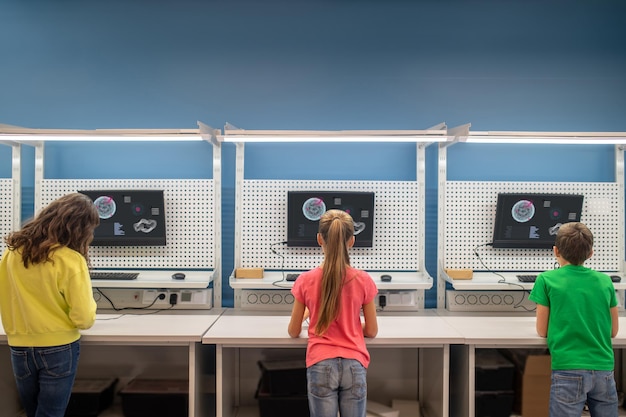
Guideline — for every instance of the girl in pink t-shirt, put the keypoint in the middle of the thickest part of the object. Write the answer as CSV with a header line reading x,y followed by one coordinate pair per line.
x,y
333,296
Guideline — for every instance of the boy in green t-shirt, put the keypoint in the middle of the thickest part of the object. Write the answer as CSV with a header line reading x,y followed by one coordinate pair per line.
x,y
577,312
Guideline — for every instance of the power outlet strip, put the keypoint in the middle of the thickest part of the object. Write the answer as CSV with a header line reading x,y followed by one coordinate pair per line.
x,y
489,301
266,300
152,299
397,300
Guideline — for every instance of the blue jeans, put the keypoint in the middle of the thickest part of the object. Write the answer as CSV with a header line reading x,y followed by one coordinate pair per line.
x,y
337,385
571,389
44,377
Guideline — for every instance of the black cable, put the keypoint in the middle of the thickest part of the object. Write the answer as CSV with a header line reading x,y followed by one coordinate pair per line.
x,y
282,264
502,279
158,297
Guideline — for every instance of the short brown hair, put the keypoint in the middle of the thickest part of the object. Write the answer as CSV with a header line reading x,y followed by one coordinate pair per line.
x,y
574,242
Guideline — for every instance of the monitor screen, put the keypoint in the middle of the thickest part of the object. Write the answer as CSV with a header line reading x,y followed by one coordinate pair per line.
x,y
129,217
304,209
532,220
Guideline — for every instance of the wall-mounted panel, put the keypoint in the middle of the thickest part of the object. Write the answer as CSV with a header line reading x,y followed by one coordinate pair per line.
x,y
189,217
470,208
6,210
396,225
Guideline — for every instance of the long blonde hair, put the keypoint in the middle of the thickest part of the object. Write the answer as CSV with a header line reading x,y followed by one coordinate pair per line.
x,y
336,228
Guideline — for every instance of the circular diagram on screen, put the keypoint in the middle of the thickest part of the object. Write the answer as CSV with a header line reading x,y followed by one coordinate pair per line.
x,y
313,208
555,213
137,209
106,206
523,211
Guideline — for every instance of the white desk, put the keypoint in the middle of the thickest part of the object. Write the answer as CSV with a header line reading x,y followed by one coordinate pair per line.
x,y
485,330
163,345
410,358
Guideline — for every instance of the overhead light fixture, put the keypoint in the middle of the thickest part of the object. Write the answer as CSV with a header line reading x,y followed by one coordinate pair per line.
x,y
296,136
100,137
562,138
26,135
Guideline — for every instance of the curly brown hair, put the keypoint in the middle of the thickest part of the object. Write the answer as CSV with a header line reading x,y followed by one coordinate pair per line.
x,y
67,221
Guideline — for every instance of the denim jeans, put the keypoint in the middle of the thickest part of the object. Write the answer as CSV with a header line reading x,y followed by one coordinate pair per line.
x,y
337,385
44,377
571,389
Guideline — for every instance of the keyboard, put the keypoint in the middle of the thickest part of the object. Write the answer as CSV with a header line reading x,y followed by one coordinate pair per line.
x,y
292,277
124,276
526,277
532,278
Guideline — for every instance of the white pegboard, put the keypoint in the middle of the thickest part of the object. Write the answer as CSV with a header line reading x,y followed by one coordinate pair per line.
x,y
189,221
397,219
6,210
470,208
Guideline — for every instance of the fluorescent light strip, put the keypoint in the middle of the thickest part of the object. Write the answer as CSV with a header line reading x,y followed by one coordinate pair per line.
x,y
337,138
100,138
548,140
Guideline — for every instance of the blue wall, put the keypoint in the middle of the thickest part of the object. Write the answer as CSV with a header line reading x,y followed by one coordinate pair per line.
x,y
296,64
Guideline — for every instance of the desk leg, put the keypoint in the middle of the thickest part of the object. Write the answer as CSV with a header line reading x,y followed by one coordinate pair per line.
x,y
462,381
226,381
434,368
202,380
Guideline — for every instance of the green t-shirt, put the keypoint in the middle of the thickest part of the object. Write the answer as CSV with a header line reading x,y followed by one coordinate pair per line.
x,y
579,326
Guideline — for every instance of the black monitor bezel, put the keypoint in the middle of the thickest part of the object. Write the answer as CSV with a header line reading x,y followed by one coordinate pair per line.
x,y
502,214
295,241
159,240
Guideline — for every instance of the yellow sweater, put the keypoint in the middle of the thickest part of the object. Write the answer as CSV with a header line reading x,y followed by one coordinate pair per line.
x,y
45,304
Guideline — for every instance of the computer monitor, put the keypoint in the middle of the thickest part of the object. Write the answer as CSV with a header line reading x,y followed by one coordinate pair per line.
x,y
532,220
305,208
129,217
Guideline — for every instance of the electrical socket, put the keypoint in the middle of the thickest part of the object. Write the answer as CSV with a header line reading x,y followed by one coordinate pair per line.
x,y
161,297
396,299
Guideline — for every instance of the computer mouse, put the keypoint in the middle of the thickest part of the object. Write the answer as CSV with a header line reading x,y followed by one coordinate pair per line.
x,y
178,275
385,278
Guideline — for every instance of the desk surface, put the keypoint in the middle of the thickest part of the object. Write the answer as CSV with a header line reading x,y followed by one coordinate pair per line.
x,y
514,330
159,328
489,329
150,328
254,330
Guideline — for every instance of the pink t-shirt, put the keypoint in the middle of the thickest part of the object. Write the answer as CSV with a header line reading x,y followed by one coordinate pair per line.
x,y
344,338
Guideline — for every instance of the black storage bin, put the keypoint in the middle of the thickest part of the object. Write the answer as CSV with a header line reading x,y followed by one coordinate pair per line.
x,y
155,398
494,372
494,403
90,397
282,390
283,378
291,406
